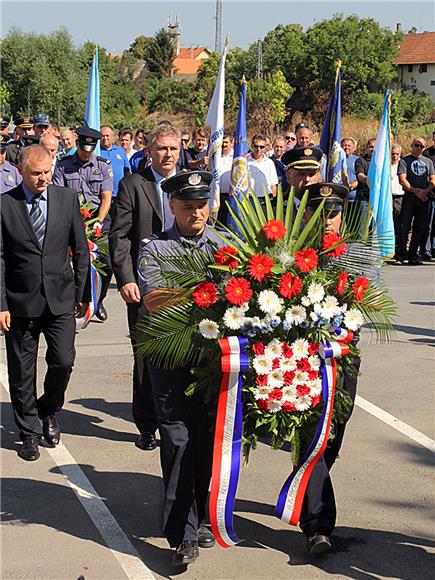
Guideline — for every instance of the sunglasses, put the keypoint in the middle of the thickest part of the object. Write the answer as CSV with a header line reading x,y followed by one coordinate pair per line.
x,y
418,145
258,146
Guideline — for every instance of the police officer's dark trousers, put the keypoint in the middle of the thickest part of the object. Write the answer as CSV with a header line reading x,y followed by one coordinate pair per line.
x,y
143,403
22,350
185,453
319,511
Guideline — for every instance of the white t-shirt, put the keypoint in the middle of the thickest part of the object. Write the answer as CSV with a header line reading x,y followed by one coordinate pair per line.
x,y
262,175
396,188
226,165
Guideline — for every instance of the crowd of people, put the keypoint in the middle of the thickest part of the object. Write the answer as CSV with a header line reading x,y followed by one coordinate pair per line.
x,y
154,188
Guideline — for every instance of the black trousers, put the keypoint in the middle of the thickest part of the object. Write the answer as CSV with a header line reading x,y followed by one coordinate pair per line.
x,y
186,453
22,350
108,272
419,211
143,403
397,208
319,511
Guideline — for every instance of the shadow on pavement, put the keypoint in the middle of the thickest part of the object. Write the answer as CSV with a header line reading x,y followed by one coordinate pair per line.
x,y
423,303
415,330
122,410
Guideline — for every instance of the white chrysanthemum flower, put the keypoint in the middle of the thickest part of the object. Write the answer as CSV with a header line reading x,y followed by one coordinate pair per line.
x,y
314,317
296,315
262,393
285,258
301,377
289,393
208,328
314,361
269,302
300,348
255,321
275,379
305,301
234,318
330,307
288,364
244,307
315,293
353,319
262,364
275,406
303,403
315,386
273,348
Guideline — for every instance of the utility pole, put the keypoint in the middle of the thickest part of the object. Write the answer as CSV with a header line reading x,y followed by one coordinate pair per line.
x,y
218,32
259,68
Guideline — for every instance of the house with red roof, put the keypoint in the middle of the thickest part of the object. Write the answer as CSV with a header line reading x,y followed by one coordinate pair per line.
x,y
188,60
416,62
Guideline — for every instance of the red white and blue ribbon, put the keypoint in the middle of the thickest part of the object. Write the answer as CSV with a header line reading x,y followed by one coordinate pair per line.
x,y
228,440
292,493
95,288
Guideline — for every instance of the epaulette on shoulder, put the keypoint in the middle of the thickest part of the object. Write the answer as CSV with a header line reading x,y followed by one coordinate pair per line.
x,y
153,237
104,159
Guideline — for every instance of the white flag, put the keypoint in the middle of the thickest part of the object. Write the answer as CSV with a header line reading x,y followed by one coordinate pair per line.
x,y
215,120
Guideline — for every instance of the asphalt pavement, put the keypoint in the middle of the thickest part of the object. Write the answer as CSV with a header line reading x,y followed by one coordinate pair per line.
x,y
91,506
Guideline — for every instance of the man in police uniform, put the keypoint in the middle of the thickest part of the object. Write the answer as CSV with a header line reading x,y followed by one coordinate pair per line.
x,y
24,126
92,177
184,424
4,128
303,167
41,124
9,174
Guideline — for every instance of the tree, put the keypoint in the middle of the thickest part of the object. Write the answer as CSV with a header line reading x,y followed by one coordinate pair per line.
x,y
140,46
266,99
161,54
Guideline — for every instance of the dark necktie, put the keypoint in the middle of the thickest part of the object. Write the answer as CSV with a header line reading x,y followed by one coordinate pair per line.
x,y
37,219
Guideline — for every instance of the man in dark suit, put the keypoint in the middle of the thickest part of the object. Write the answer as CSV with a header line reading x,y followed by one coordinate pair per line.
x,y
40,224
142,210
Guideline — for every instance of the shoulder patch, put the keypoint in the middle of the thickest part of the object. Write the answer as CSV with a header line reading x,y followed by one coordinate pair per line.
x,y
103,159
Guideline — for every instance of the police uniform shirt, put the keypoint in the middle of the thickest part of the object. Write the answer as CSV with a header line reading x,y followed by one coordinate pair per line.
x,y
13,149
120,164
89,179
170,240
9,177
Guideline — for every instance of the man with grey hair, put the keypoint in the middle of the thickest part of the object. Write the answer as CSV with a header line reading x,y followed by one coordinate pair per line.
x,y
140,211
51,143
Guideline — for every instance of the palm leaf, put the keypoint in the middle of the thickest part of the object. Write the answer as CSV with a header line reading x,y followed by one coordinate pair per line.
x,y
279,204
289,214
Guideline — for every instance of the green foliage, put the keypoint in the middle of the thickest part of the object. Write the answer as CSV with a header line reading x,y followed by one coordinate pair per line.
x,y
160,54
167,95
139,48
266,99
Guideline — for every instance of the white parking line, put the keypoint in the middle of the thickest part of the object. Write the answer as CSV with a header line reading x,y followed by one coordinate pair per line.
x,y
111,532
395,423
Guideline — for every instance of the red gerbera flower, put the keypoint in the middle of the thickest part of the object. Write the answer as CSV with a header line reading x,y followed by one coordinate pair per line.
x,y
263,404
225,256
98,231
238,291
303,365
315,400
360,287
287,352
85,212
258,348
306,260
341,282
260,266
290,286
274,230
288,377
275,364
313,347
205,294
312,375
332,239
288,407
275,395
303,390
261,380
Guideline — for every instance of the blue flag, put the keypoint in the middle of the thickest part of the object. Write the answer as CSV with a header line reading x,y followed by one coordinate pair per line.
x,y
239,170
92,113
331,135
379,180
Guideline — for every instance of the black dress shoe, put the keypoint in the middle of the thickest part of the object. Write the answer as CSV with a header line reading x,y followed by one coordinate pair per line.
x,y
426,257
205,537
146,442
30,449
51,430
101,312
186,553
415,262
319,544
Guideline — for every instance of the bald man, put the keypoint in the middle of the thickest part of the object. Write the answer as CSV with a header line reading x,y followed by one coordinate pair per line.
x,y
51,143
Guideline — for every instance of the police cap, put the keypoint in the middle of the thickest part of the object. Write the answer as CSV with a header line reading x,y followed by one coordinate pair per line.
x,y
30,140
24,122
87,138
4,121
3,142
303,158
335,195
188,185
41,119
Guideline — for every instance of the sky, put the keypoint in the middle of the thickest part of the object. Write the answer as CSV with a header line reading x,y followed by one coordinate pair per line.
x,y
115,24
